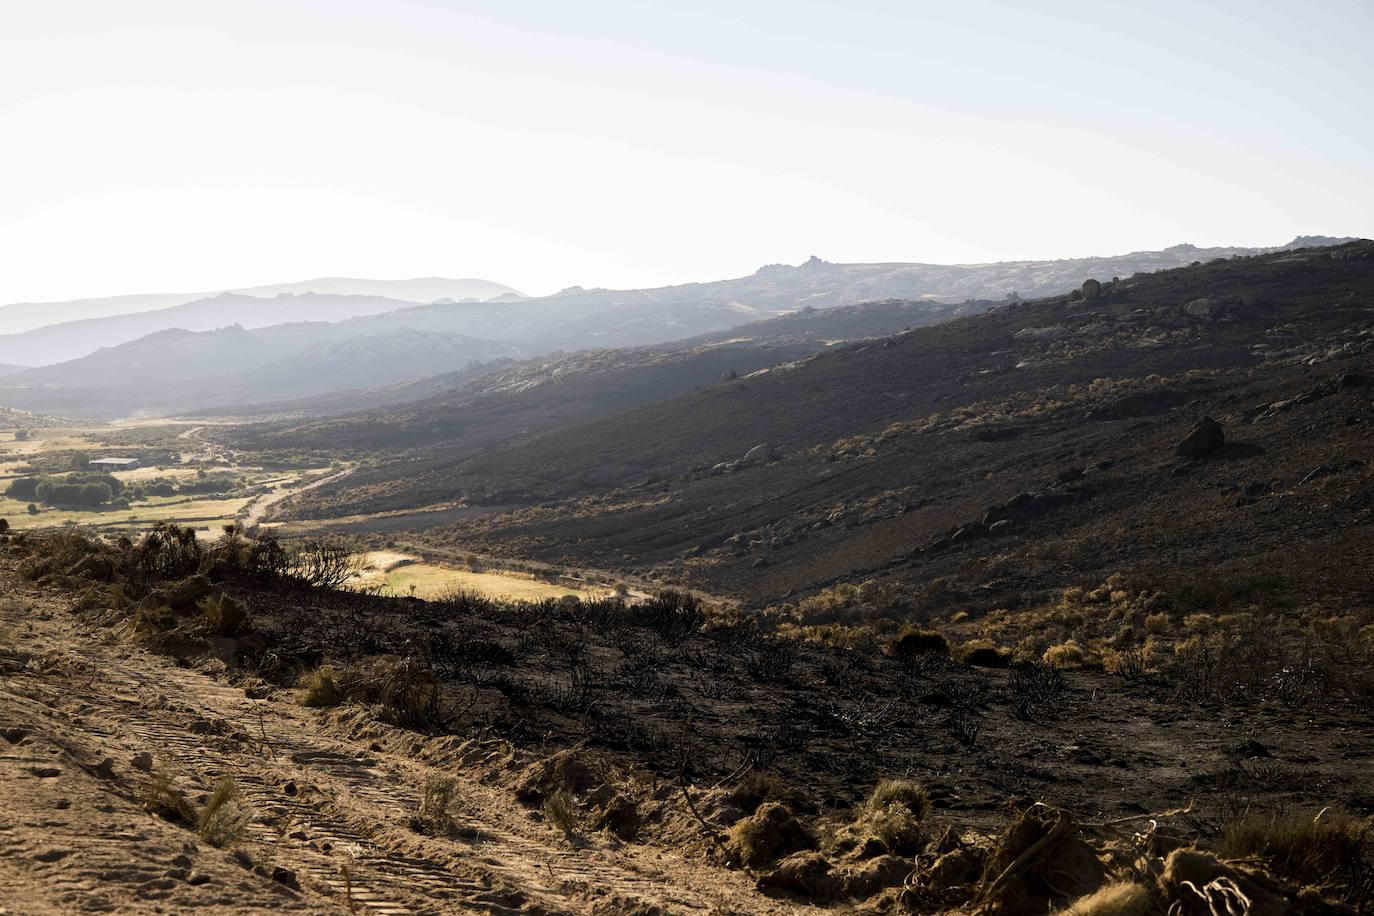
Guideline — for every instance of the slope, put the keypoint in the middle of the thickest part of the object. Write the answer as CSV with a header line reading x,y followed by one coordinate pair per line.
x,y
1068,408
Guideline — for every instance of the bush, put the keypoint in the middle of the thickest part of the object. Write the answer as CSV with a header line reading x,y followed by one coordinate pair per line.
x,y
168,552
915,641
321,564
894,813
320,688
983,653
1067,654
224,615
673,615
23,488
560,810
1329,849
433,816
770,832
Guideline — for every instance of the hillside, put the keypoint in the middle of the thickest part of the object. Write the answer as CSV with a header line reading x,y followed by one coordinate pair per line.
x,y
173,371
471,414
885,448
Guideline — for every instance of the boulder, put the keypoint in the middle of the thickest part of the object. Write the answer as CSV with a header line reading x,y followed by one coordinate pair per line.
x,y
1199,308
1204,439
758,453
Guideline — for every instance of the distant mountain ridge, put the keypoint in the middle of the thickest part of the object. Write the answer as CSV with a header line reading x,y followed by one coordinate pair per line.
x,y
26,316
500,329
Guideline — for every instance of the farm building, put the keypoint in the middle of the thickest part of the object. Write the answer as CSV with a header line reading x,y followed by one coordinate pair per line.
x,y
113,464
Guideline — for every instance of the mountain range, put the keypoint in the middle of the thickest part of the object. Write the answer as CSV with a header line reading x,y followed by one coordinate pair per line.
x,y
26,316
204,354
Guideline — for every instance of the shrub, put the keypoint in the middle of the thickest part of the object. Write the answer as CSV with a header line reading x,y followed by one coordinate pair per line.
x,y
894,813
224,615
915,641
23,488
409,695
320,564
770,832
320,688
673,615
560,810
1067,654
1157,623
983,653
168,551
1328,849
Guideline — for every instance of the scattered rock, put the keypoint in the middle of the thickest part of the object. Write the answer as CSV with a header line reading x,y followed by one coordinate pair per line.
x,y
1200,308
1248,750
1205,438
142,761
286,877
15,734
45,772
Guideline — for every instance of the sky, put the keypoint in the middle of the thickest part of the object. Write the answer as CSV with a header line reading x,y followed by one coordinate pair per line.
x,y
185,145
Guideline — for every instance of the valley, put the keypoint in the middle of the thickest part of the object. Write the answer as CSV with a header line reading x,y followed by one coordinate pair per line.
x,y
849,609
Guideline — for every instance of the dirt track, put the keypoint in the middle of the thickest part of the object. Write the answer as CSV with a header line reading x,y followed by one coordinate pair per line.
x,y
78,705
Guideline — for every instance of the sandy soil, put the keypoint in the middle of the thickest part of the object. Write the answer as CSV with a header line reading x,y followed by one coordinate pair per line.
x,y
78,708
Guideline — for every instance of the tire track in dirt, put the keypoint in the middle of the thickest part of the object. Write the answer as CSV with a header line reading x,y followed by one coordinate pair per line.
x,y
350,803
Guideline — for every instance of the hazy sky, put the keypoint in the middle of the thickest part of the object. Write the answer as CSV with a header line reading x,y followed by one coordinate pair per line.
x,y
169,145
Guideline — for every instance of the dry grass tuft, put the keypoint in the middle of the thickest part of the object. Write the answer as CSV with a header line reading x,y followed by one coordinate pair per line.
x,y
320,688
162,798
224,615
224,819
433,816
1327,849
1125,898
561,811
770,832
894,815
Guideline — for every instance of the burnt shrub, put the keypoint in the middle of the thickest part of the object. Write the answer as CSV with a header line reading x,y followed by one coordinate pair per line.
x,y
673,615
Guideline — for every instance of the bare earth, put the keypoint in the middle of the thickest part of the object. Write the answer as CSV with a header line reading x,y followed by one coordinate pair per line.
x,y
77,708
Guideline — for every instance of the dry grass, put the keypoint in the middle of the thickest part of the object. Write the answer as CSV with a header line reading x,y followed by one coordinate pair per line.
x,y
433,815
320,688
162,798
224,615
770,832
224,818
1325,849
894,814
561,811
1125,898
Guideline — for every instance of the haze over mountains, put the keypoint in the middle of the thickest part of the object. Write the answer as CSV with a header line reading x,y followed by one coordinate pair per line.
x,y
26,316
325,337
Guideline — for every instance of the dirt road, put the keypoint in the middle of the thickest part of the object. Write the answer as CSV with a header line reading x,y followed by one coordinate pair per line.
x,y
258,509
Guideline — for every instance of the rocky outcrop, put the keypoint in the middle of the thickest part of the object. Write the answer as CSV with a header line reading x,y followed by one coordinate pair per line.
x,y
1204,439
